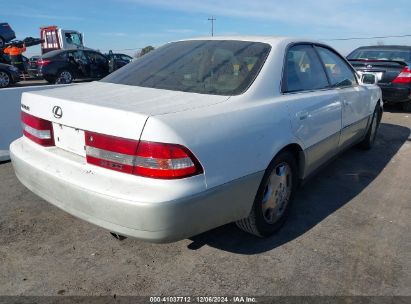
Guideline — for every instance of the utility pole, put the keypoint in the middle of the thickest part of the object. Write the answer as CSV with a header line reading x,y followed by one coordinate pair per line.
x,y
212,19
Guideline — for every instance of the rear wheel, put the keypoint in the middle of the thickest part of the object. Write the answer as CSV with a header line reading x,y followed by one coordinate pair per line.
x,y
64,76
406,106
369,139
274,196
5,80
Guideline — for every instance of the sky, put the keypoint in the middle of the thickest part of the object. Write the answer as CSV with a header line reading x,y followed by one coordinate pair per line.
x,y
127,25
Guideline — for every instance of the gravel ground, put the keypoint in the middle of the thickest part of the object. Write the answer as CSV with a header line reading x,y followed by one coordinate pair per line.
x,y
348,234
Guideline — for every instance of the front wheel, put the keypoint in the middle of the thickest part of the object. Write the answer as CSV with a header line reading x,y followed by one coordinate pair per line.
x,y
274,196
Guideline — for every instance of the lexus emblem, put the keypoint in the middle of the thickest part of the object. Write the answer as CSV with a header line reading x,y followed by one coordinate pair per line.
x,y
57,112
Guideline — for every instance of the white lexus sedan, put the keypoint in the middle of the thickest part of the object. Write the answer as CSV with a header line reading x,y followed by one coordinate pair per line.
x,y
195,134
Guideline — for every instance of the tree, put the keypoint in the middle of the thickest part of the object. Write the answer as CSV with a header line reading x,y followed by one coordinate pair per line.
x,y
145,50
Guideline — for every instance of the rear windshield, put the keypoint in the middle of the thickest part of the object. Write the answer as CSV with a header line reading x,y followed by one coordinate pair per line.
x,y
199,66
399,55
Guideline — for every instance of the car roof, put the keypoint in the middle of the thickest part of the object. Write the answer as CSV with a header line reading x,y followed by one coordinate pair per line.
x,y
56,52
53,53
272,40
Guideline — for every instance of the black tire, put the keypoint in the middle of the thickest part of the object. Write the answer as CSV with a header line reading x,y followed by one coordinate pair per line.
x,y
118,236
5,79
257,222
64,76
369,140
406,106
50,80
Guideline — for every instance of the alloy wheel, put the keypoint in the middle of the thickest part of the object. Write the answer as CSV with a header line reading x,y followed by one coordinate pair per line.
x,y
65,77
4,79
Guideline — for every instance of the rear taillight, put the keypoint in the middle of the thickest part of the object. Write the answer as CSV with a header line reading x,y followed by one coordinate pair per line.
x,y
148,159
42,62
110,152
38,130
159,160
404,76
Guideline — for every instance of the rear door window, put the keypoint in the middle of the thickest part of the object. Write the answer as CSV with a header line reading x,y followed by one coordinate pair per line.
x,y
125,58
303,70
339,72
80,56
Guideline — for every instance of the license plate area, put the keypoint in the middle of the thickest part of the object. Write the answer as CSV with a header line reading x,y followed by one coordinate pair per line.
x,y
69,139
378,75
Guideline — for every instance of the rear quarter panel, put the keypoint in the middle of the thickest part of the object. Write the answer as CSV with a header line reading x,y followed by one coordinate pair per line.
x,y
53,68
231,140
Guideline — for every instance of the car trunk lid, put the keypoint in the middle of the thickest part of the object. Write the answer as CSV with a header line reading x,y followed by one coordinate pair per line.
x,y
386,70
111,109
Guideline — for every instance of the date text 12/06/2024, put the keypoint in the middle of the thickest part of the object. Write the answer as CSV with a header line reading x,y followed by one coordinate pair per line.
x,y
202,299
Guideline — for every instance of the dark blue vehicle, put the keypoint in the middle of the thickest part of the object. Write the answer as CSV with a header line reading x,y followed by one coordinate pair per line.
x,y
117,61
6,34
8,75
63,66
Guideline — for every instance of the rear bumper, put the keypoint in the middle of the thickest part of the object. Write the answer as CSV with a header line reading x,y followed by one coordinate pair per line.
x,y
33,73
152,210
393,93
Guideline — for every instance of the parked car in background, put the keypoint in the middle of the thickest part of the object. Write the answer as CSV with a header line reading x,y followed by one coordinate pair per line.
x,y
392,65
170,146
32,67
6,34
117,61
63,66
5,58
8,75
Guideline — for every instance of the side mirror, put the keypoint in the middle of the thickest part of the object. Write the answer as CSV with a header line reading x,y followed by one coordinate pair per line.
x,y
369,78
